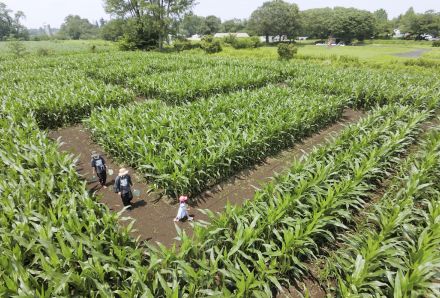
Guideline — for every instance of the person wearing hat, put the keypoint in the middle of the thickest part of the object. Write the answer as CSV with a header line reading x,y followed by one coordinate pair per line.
x,y
123,186
183,209
99,168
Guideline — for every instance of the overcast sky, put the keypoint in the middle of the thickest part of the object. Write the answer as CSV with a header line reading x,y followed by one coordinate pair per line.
x,y
53,12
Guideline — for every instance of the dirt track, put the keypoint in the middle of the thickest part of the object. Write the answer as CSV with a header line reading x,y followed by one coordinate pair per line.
x,y
154,218
413,54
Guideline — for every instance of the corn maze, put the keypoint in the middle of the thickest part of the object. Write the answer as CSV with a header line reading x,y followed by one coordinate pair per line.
x,y
363,209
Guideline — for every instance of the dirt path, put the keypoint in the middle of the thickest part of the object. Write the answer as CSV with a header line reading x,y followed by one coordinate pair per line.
x,y
154,218
413,54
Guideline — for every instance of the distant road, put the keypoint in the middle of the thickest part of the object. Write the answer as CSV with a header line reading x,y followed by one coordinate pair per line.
x,y
413,54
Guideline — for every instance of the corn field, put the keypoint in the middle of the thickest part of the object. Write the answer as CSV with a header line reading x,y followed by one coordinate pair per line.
x,y
363,208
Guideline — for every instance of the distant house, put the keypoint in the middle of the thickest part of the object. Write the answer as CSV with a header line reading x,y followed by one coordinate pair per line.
x,y
238,35
398,34
195,37
302,38
274,38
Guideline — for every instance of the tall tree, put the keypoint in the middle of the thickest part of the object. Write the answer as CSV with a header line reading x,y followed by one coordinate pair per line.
x,y
193,24
212,24
75,27
351,23
275,18
10,25
418,24
315,23
234,25
153,19
382,24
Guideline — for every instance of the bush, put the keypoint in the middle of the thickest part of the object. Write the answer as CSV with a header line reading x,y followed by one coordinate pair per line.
x,y
286,51
210,45
230,39
436,44
422,62
246,43
127,44
182,45
17,48
43,52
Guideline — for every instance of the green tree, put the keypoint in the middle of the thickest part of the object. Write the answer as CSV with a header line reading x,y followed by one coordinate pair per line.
x,y
383,27
152,20
418,24
74,27
351,23
10,25
193,24
17,48
113,30
234,25
275,18
212,24
315,23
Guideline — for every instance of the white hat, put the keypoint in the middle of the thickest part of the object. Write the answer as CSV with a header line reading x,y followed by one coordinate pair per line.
x,y
123,171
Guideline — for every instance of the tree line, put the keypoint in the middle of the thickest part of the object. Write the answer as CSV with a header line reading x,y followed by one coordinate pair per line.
x,y
145,24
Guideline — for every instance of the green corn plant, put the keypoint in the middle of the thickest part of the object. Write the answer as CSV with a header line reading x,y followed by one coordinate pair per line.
x,y
185,149
374,260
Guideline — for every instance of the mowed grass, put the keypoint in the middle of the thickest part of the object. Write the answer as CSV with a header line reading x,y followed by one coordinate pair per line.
x,y
367,53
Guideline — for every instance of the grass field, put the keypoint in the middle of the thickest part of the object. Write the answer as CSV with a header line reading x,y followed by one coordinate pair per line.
x,y
60,47
372,53
355,213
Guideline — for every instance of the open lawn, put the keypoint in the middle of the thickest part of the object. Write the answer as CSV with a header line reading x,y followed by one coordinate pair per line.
x,y
375,53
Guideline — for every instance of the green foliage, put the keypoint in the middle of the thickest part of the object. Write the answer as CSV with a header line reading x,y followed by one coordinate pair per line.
x,y
42,52
246,43
286,51
343,23
148,22
436,43
417,24
401,234
275,18
10,25
211,45
351,23
17,48
113,30
57,240
423,62
182,45
74,27
175,158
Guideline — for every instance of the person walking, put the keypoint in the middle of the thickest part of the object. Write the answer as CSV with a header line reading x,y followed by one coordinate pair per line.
x,y
183,209
123,186
99,168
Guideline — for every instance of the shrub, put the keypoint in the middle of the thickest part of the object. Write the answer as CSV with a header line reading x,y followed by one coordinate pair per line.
x,y
210,45
43,52
126,44
17,48
246,43
182,45
286,51
436,43
230,39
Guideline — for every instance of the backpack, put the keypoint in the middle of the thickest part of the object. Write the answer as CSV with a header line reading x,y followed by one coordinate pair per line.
x,y
100,167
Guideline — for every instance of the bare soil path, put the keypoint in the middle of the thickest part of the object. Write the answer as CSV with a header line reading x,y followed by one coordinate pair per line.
x,y
154,217
413,54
